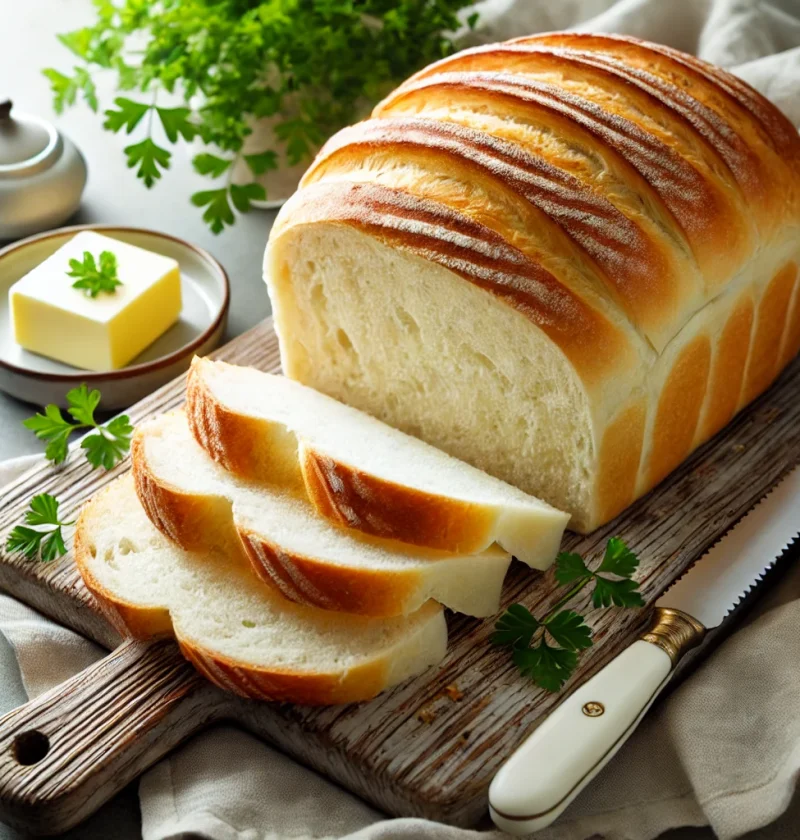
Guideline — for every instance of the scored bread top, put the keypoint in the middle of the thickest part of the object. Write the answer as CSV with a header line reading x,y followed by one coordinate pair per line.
x,y
607,187
359,472
567,259
242,635
200,506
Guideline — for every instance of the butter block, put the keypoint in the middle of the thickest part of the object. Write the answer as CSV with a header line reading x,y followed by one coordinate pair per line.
x,y
102,333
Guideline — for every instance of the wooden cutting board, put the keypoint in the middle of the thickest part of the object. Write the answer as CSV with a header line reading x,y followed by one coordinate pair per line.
x,y
429,747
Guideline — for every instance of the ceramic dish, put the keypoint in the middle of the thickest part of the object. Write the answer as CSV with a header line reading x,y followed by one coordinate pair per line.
x,y
206,296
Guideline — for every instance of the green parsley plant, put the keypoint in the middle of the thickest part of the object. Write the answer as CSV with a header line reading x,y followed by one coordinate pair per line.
x,y
105,447
310,66
546,650
41,535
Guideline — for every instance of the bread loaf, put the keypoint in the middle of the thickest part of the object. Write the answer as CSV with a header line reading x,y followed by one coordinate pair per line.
x,y
200,506
567,259
240,634
358,472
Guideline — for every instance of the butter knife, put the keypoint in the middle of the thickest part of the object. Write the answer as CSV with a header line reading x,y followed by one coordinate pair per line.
x,y
581,736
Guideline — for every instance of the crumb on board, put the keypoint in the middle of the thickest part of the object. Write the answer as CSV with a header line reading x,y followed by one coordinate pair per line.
x,y
453,692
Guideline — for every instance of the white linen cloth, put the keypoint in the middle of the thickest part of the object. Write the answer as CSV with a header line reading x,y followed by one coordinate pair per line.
x,y
722,750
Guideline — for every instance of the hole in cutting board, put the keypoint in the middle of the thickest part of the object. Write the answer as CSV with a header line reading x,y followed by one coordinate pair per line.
x,y
31,747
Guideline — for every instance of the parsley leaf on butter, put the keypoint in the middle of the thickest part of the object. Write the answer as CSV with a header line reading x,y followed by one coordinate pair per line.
x,y
105,447
93,278
41,535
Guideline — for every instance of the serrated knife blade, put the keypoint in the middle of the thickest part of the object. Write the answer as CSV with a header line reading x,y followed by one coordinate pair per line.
x,y
715,584
578,739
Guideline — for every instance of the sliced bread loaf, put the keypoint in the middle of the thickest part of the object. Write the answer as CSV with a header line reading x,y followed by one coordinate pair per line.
x,y
358,471
242,635
199,505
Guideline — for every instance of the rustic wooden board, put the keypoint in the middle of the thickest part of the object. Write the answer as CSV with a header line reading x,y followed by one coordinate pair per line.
x,y
429,747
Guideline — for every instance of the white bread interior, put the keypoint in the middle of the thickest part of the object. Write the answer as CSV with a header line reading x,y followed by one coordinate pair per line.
x,y
200,505
360,472
241,634
411,343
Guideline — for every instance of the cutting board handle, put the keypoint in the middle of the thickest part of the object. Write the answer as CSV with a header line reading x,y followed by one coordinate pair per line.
x,y
65,753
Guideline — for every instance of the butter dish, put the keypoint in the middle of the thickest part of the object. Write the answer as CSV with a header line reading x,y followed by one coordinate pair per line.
x,y
205,295
124,299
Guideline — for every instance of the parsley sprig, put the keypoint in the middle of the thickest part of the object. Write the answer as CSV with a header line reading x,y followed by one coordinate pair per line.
x,y
41,536
105,447
310,66
92,277
546,650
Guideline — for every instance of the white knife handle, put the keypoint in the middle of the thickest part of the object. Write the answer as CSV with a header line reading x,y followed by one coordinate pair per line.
x,y
580,737
576,741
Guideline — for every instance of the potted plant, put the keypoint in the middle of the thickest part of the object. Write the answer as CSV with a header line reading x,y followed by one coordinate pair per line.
x,y
259,84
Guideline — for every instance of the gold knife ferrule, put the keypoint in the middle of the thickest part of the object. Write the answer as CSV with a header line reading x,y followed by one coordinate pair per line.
x,y
674,631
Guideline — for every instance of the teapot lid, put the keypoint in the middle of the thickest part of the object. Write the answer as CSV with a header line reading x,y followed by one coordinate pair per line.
x,y
28,144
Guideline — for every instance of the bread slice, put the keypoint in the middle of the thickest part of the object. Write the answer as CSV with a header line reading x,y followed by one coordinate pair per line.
x,y
358,471
198,504
240,634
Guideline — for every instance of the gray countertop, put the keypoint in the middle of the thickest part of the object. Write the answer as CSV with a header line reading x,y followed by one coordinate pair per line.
x,y
113,195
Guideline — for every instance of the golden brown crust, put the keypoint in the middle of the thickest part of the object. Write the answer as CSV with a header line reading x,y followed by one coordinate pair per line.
x,y
773,309
187,519
259,450
245,446
307,580
636,269
718,234
636,92
354,499
678,409
730,358
741,106
791,339
476,253
618,461
351,686
198,522
127,618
